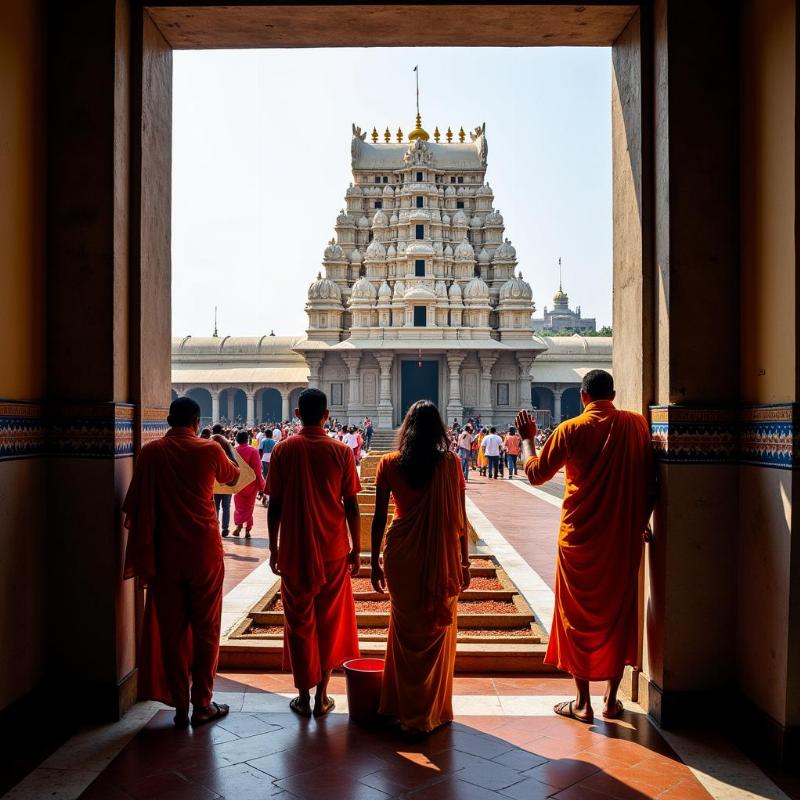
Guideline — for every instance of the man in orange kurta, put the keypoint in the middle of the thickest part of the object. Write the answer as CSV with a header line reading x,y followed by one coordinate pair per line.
x,y
608,499
313,486
175,550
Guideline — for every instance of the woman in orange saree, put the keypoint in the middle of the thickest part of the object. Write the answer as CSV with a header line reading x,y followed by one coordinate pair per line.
x,y
426,567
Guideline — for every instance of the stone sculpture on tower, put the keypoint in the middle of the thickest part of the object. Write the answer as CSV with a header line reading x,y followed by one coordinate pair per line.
x,y
420,294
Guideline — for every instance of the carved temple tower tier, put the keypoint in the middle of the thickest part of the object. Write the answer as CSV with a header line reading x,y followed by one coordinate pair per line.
x,y
421,296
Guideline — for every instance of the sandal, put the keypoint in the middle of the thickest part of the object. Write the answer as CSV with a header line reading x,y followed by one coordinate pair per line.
x,y
218,710
570,712
616,713
294,705
326,709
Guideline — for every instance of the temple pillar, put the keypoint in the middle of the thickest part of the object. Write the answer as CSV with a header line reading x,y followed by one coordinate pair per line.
x,y
385,408
314,361
455,407
524,383
251,406
353,360
485,390
285,410
557,406
214,405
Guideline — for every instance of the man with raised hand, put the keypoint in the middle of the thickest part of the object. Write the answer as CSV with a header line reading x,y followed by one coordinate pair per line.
x,y
608,499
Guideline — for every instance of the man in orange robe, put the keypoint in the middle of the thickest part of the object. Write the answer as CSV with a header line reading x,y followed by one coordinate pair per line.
x,y
175,550
313,486
608,499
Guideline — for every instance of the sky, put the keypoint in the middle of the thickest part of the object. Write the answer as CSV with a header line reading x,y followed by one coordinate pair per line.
x,y
261,162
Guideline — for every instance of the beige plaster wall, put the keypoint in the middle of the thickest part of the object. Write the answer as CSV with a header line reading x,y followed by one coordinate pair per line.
x,y
22,147
632,210
768,109
767,671
22,315
764,587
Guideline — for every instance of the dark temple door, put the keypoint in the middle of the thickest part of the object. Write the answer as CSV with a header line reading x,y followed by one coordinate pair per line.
x,y
419,380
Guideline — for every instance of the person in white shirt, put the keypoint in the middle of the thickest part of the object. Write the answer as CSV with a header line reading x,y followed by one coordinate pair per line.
x,y
492,445
465,449
276,434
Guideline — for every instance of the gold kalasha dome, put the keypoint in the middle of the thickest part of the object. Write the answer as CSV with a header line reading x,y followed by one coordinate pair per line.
x,y
419,132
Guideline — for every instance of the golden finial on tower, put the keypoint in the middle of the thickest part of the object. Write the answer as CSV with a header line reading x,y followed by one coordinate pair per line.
x,y
399,134
419,132
374,135
449,135
436,134
461,134
387,136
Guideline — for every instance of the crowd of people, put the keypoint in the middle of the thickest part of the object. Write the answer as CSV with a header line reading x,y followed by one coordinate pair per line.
x,y
489,450
313,521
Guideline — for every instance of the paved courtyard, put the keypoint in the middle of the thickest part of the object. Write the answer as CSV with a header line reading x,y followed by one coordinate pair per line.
x,y
506,743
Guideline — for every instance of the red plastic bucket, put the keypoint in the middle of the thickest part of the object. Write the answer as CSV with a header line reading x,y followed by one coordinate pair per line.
x,y
364,677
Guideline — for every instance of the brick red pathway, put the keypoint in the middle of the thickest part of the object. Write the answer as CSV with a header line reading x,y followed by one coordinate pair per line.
x,y
529,524
263,755
242,555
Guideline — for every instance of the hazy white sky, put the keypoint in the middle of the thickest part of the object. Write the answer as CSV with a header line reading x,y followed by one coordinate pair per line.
x,y
261,161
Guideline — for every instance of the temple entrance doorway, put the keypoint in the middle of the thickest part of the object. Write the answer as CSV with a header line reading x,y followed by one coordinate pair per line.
x,y
570,403
270,405
419,380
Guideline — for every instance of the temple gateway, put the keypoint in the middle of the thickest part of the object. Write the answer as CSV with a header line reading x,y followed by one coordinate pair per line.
x,y
419,294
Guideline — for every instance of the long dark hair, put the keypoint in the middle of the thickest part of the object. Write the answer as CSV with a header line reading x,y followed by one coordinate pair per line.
x,y
422,442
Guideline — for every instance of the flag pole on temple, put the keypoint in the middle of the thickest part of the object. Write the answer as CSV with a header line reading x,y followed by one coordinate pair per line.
x,y
215,322
416,73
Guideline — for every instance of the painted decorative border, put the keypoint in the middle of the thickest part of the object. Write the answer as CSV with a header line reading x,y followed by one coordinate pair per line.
x,y
693,434
153,423
83,430
104,430
762,435
23,431
770,436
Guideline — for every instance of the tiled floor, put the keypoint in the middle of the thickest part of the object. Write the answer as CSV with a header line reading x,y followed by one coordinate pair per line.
x,y
242,555
261,754
505,743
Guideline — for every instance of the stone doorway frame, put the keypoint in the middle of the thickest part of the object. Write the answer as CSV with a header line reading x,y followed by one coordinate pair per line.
x,y
158,28
665,125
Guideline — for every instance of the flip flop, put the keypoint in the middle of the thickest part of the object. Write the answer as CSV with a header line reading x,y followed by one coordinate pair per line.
x,y
325,709
568,705
294,705
219,710
617,713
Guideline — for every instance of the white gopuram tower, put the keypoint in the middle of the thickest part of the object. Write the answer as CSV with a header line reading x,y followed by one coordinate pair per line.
x,y
420,296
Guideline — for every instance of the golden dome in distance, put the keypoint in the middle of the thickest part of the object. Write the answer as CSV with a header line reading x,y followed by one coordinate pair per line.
x,y
419,132
560,296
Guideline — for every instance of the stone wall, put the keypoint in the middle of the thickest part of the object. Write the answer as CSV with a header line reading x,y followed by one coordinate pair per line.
x,y
22,376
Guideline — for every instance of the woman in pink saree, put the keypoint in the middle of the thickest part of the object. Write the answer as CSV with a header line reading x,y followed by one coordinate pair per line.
x,y
244,501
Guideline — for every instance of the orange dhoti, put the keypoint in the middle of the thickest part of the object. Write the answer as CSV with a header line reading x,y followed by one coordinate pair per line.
x,y
320,630
182,619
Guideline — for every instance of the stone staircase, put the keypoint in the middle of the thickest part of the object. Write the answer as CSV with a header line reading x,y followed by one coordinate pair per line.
x,y
384,440
498,631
